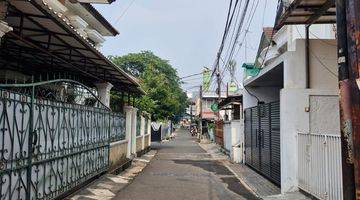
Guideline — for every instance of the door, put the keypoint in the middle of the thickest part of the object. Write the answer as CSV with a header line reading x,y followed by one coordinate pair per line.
x,y
262,140
219,132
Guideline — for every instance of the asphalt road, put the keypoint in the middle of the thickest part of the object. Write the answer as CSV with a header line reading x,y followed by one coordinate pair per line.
x,y
183,170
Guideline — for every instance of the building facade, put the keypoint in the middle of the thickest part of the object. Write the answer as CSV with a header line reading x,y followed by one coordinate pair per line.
x,y
290,103
58,129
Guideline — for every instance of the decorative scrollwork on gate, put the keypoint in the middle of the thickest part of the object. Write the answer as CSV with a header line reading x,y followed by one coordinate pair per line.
x,y
51,141
118,122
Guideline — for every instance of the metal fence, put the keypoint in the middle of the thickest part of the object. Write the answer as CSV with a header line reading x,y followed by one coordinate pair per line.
x,y
138,123
49,147
146,125
118,123
319,162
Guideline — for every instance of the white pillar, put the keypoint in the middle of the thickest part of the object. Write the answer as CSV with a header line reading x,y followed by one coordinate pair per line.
x,y
149,129
142,132
4,28
104,92
128,130
237,141
133,130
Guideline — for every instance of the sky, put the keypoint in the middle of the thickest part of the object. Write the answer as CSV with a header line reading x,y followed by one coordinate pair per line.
x,y
185,32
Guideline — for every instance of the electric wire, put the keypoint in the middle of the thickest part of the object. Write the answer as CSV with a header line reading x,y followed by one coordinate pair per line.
x,y
250,18
322,40
233,43
192,75
124,12
229,20
234,30
318,59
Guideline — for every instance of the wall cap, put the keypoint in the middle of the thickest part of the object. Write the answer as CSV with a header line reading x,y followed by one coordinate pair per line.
x,y
128,108
118,142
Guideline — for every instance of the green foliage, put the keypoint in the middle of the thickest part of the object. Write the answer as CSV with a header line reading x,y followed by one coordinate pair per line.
x,y
165,99
211,125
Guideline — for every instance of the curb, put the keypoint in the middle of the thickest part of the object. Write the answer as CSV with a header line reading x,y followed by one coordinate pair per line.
x,y
107,186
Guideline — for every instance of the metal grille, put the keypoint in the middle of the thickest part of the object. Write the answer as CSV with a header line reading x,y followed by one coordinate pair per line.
x,y
262,140
320,171
118,123
146,125
248,137
138,124
48,147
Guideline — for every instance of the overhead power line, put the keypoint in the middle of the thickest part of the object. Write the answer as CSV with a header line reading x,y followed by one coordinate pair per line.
x,y
238,33
318,59
192,79
191,75
124,12
230,17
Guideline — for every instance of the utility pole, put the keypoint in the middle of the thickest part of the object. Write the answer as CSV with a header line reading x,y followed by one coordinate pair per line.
x,y
191,113
200,116
218,82
348,27
227,89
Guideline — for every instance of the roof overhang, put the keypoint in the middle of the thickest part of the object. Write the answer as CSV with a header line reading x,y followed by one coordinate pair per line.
x,y
306,12
230,100
269,76
43,41
94,18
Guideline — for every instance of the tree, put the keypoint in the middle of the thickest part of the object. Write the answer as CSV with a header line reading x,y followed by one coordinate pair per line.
x,y
165,99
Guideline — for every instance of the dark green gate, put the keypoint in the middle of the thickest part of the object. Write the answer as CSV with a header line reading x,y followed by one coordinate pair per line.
x,y
50,145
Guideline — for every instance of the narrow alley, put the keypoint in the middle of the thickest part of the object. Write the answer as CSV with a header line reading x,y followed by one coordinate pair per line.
x,y
183,170
179,100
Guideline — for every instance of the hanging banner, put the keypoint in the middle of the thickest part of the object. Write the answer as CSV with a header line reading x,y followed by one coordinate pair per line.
x,y
206,79
232,87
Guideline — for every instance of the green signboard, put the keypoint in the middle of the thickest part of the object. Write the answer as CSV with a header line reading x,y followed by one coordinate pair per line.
x,y
214,107
206,79
232,86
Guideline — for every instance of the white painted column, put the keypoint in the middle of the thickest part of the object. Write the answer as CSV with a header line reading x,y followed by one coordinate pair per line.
x,y
149,129
104,92
142,132
133,130
237,141
128,129
4,28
